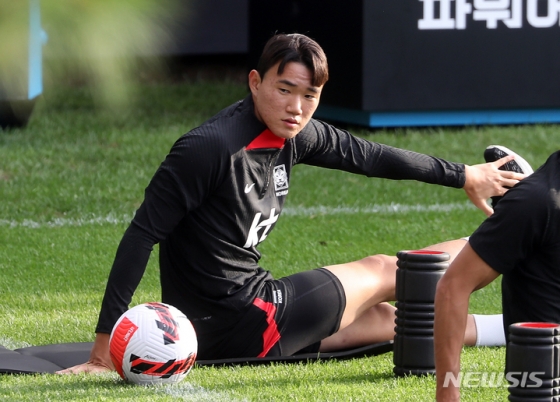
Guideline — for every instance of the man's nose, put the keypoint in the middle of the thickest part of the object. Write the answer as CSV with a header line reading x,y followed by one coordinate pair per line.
x,y
294,106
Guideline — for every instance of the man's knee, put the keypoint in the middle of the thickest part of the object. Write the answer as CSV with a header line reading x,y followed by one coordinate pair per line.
x,y
382,264
383,269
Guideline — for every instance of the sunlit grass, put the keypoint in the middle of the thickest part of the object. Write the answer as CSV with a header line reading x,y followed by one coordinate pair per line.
x,y
71,180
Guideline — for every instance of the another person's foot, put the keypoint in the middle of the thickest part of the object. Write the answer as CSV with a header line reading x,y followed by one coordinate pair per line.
x,y
518,165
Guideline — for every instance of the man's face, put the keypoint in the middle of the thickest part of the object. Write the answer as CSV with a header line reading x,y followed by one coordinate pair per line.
x,y
285,103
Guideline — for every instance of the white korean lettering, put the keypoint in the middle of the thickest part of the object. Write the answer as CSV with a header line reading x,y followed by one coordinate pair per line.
x,y
545,21
491,11
429,20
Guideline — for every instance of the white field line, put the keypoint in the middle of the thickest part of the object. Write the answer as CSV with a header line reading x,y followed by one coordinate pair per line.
x,y
188,392
68,222
382,209
9,343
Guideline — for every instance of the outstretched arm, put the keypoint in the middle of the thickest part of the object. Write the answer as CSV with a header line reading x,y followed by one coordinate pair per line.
x,y
323,145
467,273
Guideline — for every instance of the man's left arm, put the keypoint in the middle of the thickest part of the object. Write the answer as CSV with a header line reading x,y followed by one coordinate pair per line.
x,y
467,273
323,145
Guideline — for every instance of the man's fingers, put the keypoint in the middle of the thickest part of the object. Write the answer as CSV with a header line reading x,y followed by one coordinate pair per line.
x,y
485,208
510,179
71,370
90,368
508,183
502,161
506,173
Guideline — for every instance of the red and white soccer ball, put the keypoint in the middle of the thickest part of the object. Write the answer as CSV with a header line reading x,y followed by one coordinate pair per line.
x,y
153,343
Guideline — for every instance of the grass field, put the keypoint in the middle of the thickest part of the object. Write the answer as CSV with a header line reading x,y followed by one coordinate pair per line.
x,y
71,180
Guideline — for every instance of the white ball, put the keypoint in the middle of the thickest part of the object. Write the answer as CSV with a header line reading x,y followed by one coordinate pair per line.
x,y
153,343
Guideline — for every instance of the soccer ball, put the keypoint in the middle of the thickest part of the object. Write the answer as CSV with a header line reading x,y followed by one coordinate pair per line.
x,y
153,343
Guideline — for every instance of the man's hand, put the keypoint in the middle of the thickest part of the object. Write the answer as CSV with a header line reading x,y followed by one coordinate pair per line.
x,y
89,367
486,180
99,359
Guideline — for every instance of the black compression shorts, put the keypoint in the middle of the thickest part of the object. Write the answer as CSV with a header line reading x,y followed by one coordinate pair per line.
x,y
289,315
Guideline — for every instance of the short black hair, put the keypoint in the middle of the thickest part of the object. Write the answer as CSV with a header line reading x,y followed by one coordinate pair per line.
x,y
286,48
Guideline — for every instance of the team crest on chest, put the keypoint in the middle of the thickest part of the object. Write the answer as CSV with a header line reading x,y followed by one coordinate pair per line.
x,y
280,180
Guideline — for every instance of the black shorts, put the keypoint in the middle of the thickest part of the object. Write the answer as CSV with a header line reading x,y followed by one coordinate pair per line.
x,y
289,315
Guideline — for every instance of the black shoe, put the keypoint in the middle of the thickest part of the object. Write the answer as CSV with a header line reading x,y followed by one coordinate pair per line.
x,y
518,165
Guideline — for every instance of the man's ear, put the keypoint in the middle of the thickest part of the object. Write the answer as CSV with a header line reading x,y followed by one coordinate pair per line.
x,y
254,81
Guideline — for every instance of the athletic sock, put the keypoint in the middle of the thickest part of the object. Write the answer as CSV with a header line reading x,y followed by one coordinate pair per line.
x,y
489,330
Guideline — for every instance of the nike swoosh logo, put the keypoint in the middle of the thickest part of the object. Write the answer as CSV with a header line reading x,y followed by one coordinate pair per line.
x,y
248,187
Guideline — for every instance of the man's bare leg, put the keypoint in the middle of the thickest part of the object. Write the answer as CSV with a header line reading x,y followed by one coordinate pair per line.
x,y
368,284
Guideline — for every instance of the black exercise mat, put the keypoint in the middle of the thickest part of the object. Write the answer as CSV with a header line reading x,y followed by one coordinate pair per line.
x,y
12,362
63,354
51,358
364,351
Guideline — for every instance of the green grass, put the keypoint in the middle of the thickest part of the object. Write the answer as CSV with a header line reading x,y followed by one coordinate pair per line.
x,y
72,179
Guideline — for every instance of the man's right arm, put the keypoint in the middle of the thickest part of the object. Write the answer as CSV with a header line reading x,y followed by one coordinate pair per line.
x,y
467,273
161,210
180,184
127,271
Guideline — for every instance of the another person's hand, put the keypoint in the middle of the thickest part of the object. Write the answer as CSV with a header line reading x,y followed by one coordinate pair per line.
x,y
486,180
99,359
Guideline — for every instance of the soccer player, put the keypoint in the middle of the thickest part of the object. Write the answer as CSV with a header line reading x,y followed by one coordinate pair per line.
x,y
521,242
219,193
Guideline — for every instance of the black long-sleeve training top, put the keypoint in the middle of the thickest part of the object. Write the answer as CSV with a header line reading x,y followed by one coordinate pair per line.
x,y
219,193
